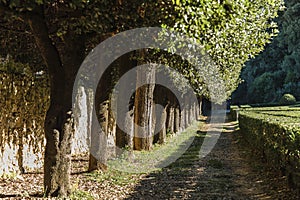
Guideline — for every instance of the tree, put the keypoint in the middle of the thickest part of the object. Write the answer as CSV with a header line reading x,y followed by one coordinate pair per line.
x,y
230,32
279,61
143,132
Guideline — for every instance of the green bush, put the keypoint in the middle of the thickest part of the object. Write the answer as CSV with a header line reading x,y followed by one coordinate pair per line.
x,y
274,134
287,99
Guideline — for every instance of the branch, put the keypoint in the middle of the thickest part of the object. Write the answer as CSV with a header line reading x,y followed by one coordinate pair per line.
x,y
6,10
18,31
49,52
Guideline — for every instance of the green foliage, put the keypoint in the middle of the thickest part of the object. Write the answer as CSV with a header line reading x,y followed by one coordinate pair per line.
x,y
264,89
230,31
96,20
113,177
273,133
11,67
151,160
287,99
79,194
280,61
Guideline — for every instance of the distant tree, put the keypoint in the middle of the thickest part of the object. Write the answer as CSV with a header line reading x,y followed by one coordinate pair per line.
x,y
280,60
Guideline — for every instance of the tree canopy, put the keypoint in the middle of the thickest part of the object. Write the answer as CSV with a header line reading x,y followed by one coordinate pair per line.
x,y
276,70
231,32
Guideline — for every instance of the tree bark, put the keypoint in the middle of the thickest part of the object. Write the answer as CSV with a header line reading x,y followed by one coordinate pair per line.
x,y
199,105
170,119
59,121
187,111
124,115
182,118
98,154
176,119
191,113
143,133
160,98
197,109
98,151
160,127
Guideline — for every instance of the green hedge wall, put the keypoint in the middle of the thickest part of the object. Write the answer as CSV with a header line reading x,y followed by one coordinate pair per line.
x,y
275,135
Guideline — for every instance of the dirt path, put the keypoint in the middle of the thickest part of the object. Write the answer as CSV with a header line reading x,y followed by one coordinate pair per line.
x,y
212,177
227,172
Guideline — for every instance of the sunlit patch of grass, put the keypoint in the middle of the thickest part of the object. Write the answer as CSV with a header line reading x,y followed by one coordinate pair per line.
x,y
160,156
115,177
80,194
122,171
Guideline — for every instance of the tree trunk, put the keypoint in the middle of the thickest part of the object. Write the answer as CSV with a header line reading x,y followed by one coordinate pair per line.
x,y
124,115
129,127
59,120
187,111
176,119
182,118
192,116
199,105
161,101
143,133
170,119
160,127
98,151
187,114
197,111
111,131
153,121
98,154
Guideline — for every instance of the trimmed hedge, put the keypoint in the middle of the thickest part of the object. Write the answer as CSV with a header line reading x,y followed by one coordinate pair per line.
x,y
275,135
234,111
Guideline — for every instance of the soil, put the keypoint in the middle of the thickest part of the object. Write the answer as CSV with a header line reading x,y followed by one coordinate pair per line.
x,y
229,171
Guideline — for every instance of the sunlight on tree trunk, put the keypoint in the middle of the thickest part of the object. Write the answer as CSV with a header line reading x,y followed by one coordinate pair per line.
x,y
143,133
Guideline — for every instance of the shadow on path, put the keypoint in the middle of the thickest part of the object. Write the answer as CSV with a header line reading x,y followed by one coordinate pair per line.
x,y
191,178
